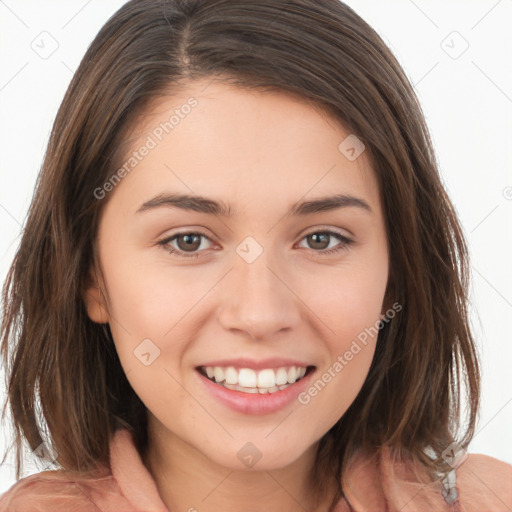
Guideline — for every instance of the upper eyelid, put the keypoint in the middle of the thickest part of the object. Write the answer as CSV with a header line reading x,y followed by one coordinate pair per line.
x,y
199,232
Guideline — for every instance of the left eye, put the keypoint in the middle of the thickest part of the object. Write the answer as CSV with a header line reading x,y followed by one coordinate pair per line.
x,y
319,237
189,243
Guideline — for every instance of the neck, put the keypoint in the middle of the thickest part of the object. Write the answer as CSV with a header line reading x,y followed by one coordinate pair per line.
x,y
187,480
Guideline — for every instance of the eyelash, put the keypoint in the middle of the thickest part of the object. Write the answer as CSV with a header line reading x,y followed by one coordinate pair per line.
x,y
345,243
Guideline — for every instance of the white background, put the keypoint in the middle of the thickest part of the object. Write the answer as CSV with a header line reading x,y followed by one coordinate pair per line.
x,y
467,102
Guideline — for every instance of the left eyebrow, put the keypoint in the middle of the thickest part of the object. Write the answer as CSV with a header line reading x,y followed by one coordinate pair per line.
x,y
212,207
325,204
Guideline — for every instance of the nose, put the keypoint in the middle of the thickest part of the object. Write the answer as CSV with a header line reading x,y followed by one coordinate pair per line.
x,y
258,299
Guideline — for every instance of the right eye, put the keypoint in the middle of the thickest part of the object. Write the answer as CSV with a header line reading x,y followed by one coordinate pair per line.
x,y
191,239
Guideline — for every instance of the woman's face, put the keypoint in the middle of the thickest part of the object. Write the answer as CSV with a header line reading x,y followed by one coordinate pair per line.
x,y
261,289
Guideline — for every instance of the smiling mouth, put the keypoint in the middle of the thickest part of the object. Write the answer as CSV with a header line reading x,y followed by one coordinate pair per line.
x,y
220,379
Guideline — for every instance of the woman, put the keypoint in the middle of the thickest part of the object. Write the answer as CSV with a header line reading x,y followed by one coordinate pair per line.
x,y
193,347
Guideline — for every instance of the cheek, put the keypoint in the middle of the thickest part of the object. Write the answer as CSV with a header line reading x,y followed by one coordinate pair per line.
x,y
349,304
152,313
348,299
151,299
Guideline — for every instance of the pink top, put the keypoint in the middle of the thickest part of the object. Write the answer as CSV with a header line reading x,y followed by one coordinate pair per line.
x,y
484,484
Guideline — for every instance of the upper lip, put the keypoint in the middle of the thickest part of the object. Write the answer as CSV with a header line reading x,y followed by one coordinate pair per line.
x,y
244,362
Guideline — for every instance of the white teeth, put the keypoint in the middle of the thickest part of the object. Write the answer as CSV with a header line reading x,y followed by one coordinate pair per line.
x,y
281,376
266,379
247,378
251,381
231,375
261,391
218,374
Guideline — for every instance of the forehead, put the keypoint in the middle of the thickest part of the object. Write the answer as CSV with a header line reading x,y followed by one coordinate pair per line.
x,y
218,139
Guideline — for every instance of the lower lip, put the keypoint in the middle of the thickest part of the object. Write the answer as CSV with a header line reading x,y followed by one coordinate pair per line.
x,y
256,403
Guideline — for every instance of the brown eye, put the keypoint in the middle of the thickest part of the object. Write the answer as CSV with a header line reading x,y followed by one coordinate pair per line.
x,y
320,241
191,241
185,244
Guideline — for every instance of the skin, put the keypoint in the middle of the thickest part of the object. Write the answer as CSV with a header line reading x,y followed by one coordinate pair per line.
x,y
260,152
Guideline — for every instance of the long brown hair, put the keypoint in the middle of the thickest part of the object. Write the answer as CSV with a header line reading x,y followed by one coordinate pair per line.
x,y
56,357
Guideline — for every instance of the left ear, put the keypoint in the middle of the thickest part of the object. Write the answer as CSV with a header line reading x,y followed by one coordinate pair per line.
x,y
390,293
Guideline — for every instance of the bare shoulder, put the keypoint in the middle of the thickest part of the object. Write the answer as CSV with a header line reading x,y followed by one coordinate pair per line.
x,y
55,491
484,483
